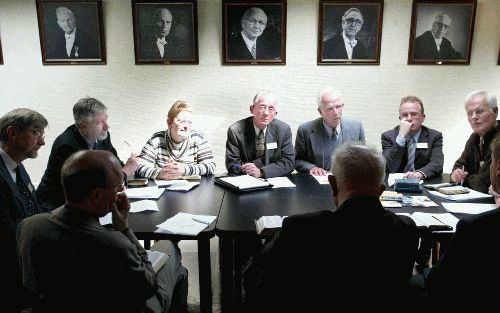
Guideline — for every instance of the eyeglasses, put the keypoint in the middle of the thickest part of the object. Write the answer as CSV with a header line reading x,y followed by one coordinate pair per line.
x,y
254,21
185,122
263,108
442,25
353,21
478,112
38,134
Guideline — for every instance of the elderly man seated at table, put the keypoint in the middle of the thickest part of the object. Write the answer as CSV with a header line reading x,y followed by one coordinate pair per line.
x,y
177,151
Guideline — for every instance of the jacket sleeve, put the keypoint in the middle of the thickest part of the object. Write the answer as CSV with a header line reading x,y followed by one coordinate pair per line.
x,y
233,155
393,154
301,163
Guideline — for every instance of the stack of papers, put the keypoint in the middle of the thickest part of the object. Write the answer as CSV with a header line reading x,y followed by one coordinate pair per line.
x,y
468,208
414,201
391,196
186,224
471,195
152,192
434,221
143,205
323,180
280,182
243,182
172,182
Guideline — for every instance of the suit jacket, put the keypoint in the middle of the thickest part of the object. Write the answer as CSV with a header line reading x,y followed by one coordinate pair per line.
x,y
428,161
311,147
86,46
361,252
174,49
69,260
334,48
265,49
50,193
425,48
469,267
240,148
11,214
471,159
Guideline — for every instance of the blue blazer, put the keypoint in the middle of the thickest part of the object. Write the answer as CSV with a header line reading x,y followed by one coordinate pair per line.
x,y
310,147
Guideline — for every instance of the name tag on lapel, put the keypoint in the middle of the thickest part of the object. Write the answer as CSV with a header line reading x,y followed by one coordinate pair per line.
x,y
271,145
422,145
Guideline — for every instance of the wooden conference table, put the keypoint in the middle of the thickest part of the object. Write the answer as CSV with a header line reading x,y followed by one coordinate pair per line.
x,y
239,211
203,199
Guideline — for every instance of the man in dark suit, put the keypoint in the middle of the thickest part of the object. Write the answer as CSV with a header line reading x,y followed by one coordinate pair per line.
x,y
161,43
73,42
433,44
70,262
90,131
360,255
260,145
21,136
316,140
469,268
412,148
472,168
345,45
249,44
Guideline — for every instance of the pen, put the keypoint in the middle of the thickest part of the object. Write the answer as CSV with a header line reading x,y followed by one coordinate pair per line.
x,y
463,169
437,219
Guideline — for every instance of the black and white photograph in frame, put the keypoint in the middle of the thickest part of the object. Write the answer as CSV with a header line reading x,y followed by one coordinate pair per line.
x,y
1,56
71,32
350,32
254,32
441,32
165,32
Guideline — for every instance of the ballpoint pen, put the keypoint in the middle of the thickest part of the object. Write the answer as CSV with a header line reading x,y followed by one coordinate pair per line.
x,y
463,169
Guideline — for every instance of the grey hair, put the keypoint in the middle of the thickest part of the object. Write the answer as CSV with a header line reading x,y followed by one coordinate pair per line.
x,y
250,11
352,10
21,119
353,162
158,11
328,91
490,98
266,94
64,9
86,108
442,15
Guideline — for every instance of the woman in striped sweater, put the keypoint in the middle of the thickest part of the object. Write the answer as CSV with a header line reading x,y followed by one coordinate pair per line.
x,y
177,151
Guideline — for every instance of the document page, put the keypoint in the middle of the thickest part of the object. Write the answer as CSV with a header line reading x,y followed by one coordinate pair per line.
x,y
281,182
245,181
471,195
152,192
186,224
468,208
143,205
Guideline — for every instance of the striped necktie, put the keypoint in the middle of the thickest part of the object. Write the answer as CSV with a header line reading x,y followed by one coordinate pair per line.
x,y
410,165
254,51
29,205
259,144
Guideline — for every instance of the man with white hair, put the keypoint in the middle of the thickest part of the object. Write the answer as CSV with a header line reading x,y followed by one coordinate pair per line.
x,y
74,42
361,251
472,168
316,140
260,145
433,44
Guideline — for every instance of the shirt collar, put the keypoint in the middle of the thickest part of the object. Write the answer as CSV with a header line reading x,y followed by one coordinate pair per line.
x,y
9,163
416,135
329,130
257,130
72,35
248,41
347,41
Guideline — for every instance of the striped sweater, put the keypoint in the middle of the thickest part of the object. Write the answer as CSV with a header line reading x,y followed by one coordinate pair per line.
x,y
194,153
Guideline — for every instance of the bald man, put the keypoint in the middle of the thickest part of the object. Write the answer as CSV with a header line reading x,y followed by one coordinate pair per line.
x,y
72,40
249,44
433,44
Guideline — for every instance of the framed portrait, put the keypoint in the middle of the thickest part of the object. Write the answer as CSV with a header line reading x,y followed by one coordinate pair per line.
x,y
254,32
165,32
71,32
350,32
1,56
441,31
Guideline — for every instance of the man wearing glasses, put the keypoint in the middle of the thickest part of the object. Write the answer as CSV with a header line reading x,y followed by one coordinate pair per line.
x,y
248,44
345,45
472,168
260,145
433,44
21,136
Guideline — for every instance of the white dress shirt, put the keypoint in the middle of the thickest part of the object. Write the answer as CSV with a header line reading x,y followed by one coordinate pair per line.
x,y
70,41
349,45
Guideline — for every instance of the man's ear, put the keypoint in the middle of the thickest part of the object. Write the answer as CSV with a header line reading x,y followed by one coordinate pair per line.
x,y
251,109
11,132
333,184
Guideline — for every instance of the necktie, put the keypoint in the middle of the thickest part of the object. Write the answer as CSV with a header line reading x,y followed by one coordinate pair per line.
x,y
334,135
259,144
481,148
29,206
410,165
94,146
254,51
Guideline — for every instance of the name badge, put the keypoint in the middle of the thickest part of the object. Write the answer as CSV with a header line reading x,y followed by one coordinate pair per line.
x,y
422,145
271,145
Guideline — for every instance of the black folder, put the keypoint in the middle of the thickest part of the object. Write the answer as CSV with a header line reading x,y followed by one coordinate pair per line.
x,y
251,183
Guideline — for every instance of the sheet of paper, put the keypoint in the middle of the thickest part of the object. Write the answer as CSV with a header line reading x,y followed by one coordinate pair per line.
x,y
184,187
322,180
152,192
281,182
422,201
186,224
472,195
143,205
468,208
391,204
245,181
426,219
172,182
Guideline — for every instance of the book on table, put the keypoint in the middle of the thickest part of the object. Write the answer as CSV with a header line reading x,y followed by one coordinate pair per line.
x,y
243,183
267,225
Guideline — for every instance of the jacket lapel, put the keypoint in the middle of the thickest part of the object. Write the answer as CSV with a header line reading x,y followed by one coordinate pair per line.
x,y
319,138
12,185
424,137
249,138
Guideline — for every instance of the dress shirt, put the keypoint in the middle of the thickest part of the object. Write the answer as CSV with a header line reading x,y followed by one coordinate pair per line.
x,y
349,45
11,164
402,141
250,43
257,131
161,43
70,40
329,131
438,42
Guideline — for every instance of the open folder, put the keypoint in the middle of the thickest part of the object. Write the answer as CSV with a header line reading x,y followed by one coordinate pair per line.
x,y
243,183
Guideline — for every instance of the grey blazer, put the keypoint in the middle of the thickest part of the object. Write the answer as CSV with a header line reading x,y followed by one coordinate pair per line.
x,y
428,161
240,148
311,147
